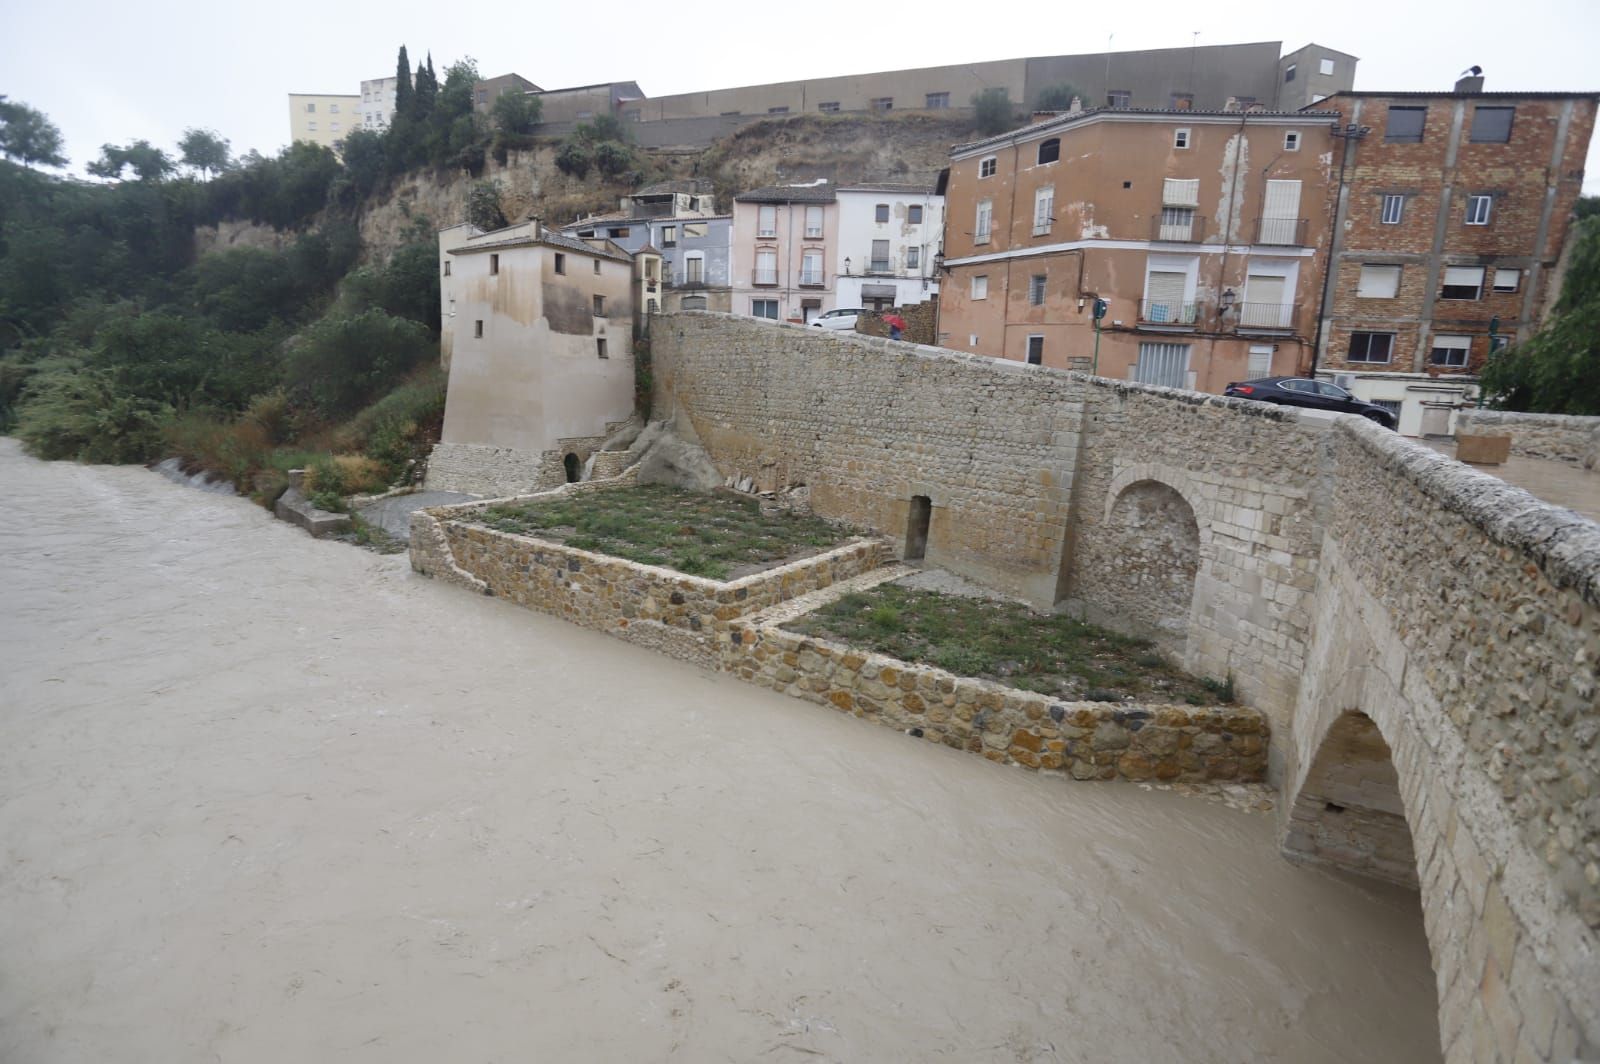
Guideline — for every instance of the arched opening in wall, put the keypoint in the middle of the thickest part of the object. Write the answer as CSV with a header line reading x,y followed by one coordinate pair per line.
x,y
1152,555
1349,813
917,518
573,466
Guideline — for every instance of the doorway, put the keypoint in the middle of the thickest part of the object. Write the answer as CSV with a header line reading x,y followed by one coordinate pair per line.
x,y
921,512
573,466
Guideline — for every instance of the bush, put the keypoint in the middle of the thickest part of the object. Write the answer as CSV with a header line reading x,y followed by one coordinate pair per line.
x,y
992,111
344,474
403,426
611,158
483,206
343,361
83,416
573,159
517,112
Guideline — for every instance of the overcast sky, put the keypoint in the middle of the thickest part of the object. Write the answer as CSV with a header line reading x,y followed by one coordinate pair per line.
x,y
118,71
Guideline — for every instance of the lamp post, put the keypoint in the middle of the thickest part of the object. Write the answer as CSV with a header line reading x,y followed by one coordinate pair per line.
x,y
1225,302
1100,307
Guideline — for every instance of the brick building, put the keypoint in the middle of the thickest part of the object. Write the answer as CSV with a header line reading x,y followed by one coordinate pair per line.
x,y
1205,232
1452,210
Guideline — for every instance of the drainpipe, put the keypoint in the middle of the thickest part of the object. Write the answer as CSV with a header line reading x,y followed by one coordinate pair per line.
x,y
1227,241
1351,135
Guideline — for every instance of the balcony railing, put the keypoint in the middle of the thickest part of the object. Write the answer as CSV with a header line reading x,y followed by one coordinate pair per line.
x,y
1270,317
688,286
1281,232
1160,312
880,267
811,279
1185,228
764,278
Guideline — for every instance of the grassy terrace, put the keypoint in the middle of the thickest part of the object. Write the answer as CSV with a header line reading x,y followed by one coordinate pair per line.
x,y
1007,643
720,535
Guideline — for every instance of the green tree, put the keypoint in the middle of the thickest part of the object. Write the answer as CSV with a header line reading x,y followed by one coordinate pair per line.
x,y
517,112
148,162
1558,370
205,151
342,362
82,415
402,87
27,136
426,91
1059,98
365,160
483,207
1586,207
602,128
612,158
993,112
573,159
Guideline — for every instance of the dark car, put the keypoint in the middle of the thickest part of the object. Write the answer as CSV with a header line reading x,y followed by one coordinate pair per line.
x,y
1302,391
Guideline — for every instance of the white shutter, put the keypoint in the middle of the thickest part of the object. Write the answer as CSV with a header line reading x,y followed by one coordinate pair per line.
x,y
1163,364
1279,212
1043,207
1164,291
1466,276
1260,360
1181,192
1379,282
1264,306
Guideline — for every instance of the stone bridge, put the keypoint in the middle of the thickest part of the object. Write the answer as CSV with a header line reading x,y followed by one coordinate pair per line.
x,y
1423,636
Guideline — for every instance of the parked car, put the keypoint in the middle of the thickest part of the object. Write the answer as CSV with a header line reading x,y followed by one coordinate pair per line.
x,y
838,319
1317,395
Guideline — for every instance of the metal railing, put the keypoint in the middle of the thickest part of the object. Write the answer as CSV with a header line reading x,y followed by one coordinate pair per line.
x,y
880,268
1160,312
1281,232
1273,316
687,286
809,279
764,278
1173,227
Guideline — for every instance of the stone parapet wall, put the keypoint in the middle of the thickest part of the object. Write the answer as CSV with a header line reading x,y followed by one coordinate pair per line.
x,y
1087,740
1558,437
496,471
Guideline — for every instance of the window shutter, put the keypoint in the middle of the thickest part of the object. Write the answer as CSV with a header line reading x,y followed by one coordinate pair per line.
x,y
1379,282
1466,276
1181,192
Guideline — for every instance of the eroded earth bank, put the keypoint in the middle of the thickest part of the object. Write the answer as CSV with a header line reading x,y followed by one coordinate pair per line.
x,y
265,798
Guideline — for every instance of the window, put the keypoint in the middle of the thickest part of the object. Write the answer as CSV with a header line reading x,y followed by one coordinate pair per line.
x,y
1394,206
1379,282
1507,280
1163,364
494,265
477,329
831,107
694,229
1044,209
880,213
1049,150
1370,347
1180,192
1462,282
986,167
1036,290
882,103
1391,405
333,108
1289,73
311,127
767,220
913,258
600,347
1180,138
1119,99
1177,223
766,266
1405,125
777,110
914,214
980,286
1291,140
1181,101
694,270
311,108
1325,68
620,232
561,267
1479,209
561,263
1164,302
813,223
936,101
333,127
880,256
764,308
447,268
599,306
811,267
1491,125
1035,350
985,220
1450,350
1260,360
669,236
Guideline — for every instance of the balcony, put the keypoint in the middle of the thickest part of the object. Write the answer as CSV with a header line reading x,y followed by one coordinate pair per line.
x,y
1178,225
1160,312
1281,232
812,279
764,278
1266,317
696,285
880,268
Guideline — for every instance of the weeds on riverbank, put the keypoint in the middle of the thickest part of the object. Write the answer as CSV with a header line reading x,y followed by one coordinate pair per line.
x,y
1010,644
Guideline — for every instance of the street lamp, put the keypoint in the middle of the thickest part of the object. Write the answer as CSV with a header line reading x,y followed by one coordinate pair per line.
x,y
847,266
1225,303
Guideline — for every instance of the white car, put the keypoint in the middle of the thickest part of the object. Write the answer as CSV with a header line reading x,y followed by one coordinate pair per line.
x,y
838,319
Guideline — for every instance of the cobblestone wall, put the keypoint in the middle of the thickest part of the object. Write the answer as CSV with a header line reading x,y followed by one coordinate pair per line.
x,y
1555,436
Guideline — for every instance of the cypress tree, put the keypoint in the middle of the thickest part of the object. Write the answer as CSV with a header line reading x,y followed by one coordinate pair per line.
x,y
402,87
427,89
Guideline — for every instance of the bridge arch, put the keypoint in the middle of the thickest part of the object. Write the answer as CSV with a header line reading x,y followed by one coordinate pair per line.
x,y
1154,533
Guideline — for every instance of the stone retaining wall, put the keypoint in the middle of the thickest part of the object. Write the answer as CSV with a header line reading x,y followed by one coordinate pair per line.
x,y
1557,437
1087,740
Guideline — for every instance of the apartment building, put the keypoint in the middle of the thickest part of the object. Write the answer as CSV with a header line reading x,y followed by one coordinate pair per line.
x,y
322,119
1452,213
537,339
784,238
377,102
889,242
676,220
1204,232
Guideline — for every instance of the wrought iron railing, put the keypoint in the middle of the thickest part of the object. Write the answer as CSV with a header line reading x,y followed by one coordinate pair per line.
x,y
1161,312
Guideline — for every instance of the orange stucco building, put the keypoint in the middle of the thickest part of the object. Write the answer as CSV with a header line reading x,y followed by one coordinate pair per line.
x,y
1205,232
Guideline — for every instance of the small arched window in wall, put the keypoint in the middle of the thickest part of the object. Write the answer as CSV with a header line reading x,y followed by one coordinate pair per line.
x,y
573,467
1049,150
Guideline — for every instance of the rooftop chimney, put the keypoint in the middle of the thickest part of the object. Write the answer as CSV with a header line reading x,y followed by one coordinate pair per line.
x,y
1471,80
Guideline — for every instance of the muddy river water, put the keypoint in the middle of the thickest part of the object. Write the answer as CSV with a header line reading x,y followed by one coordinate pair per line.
x,y
264,798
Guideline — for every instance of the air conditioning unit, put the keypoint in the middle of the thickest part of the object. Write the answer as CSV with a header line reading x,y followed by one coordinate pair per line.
x,y
1346,381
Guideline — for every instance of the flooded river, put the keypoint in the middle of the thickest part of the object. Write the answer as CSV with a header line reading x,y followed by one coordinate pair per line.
x,y
264,798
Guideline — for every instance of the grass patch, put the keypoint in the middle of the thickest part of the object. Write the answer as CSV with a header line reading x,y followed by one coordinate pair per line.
x,y
1002,641
718,535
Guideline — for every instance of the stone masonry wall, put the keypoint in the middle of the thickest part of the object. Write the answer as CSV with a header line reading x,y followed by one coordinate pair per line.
x,y
1559,437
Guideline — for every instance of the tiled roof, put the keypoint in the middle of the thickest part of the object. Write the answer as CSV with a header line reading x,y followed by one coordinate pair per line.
x,y
788,194
1414,95
549,237
889,186
692,186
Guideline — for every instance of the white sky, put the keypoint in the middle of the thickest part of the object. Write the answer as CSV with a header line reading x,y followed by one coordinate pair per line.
x,y
117,71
